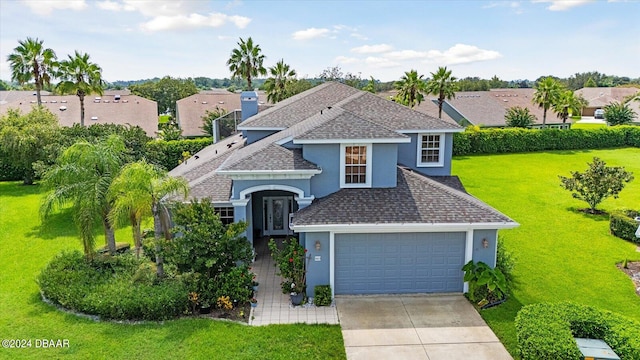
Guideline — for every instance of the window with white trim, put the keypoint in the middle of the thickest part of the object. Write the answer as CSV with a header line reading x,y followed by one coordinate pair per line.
x,y
226,214
430,150
355,165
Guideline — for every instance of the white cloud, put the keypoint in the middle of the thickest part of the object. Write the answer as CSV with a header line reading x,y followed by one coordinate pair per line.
x,y
406,55
310,33
371,49
380,62
110,5
192,21
359,36
461,54
46,7
561,5
346,60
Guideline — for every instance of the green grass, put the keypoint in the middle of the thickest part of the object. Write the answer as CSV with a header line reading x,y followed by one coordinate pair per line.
x,y
26,247
562,253
163,119
587,126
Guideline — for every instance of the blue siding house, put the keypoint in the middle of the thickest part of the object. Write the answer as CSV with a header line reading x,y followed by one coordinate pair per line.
x,y
363,182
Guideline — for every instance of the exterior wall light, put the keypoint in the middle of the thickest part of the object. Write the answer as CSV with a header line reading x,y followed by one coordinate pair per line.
x,y
318,245
485,243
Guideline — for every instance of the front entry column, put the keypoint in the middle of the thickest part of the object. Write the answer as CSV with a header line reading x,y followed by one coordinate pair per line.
x,y
240,214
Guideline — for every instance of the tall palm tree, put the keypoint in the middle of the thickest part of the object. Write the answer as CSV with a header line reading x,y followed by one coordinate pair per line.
x,y
411,88
31,61
443,85
277,85
548,91
81,77
567,104
81,177
246,61
140,188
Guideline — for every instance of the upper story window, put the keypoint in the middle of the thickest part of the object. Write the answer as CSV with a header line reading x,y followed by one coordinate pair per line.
x,y
430,150
355,165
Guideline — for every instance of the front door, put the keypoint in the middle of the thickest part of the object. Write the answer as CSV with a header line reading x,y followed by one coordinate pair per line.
x,y
276,214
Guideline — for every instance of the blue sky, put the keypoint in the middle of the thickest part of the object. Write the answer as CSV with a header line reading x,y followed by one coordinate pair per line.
x,y
512,39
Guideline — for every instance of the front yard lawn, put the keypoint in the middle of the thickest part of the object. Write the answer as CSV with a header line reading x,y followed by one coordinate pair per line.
x,y
26,247
562,253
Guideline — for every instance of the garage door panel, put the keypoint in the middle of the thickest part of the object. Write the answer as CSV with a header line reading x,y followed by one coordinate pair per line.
x,y
398,263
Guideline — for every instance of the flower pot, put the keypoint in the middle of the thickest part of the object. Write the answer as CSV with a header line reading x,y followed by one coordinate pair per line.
x,y
254,304
255,288
205,310
296,299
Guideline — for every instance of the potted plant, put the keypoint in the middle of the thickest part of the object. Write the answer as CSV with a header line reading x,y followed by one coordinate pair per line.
x,y
254,284
291,261
205,307
254,302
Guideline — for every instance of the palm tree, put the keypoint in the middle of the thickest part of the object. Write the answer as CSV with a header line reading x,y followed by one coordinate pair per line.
x,y
566,104
140,188
411,89
81,177
548,90
443,85
277,85
30,61
81,77
246,61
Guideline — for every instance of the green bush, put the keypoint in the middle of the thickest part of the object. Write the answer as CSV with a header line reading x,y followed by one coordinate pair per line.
x,y
547,331
516,140
322,295
505,262
169,154
623,225
111,287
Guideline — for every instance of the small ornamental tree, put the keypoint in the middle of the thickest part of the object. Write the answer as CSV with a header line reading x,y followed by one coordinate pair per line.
x,y
519,117
618,114
597,183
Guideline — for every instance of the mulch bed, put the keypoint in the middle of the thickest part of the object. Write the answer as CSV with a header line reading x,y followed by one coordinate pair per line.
x,y
238,314
633,270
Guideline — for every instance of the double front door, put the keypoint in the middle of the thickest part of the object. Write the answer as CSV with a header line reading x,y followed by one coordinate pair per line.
x,y
276,211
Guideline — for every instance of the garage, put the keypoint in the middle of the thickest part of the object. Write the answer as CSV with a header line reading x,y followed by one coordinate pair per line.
x,y
399,263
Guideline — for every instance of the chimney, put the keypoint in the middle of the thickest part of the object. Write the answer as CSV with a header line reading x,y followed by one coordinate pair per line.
x,y
248,104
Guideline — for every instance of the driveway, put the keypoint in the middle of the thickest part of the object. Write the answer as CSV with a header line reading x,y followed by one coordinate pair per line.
x,y
431,327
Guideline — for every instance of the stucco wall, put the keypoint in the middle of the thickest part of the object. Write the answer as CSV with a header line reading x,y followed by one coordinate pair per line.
x,y
408,153
488,255
317,271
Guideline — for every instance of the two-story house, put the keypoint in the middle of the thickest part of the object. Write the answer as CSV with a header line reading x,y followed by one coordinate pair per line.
x,y
363,182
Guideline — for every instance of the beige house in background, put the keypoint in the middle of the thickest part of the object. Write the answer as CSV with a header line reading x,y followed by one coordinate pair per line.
x,y
113,107
191,110
599,97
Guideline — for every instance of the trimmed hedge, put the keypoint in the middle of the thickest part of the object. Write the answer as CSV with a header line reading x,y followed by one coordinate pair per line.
x,y
547,331
518,140
623,225
120,287
168,154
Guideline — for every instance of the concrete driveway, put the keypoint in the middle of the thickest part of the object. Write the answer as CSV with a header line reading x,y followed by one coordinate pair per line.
x,y
431,327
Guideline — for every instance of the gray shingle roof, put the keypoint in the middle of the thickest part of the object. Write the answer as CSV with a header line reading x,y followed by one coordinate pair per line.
x,y
416,199
273,157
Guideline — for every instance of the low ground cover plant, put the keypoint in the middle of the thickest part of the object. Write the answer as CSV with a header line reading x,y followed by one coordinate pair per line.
x,y
547,331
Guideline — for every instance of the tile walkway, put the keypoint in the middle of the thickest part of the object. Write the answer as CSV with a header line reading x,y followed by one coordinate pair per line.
x,y
274,307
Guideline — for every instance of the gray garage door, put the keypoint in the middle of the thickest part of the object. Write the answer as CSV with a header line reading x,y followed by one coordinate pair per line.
x,y
399,263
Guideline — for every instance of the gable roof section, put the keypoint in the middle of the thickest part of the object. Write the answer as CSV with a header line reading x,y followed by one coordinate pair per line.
x,y
417,199
199,171
290,111
602,96
273,158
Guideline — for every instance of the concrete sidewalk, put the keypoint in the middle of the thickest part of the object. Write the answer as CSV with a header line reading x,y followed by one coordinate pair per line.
x,y
430,327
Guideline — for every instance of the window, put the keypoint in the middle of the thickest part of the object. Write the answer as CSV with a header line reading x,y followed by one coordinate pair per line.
x,y
355,167
226,214
430,150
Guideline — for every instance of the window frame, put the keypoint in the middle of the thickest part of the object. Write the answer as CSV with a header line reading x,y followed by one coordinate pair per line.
x,y
368,169
441,150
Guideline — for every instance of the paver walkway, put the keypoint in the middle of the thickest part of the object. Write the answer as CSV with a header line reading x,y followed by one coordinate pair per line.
x,y
274,307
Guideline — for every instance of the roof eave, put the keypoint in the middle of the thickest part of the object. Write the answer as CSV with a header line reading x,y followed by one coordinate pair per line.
x,y
403,227
352,141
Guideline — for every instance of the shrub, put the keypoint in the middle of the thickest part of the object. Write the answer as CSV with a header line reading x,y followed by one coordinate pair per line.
x,y
514,140
623,225
111,287
547,331
505,262
618,114
291,261
517,116
322,295
168,154
485,284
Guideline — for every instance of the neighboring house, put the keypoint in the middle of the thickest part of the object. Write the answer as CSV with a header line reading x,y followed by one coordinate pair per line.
x,y
191,110
488,108
599,97
365,184
113,107
427,106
